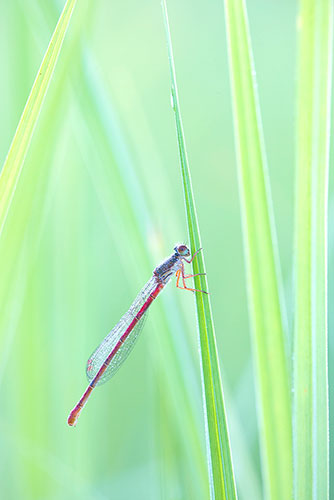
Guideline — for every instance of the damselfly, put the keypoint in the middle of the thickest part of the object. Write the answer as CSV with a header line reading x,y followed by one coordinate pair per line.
x,y
114,349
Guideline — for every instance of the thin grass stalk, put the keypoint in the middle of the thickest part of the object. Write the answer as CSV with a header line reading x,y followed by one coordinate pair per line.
x,y
311,447
219,454
263,277
13,165
107,135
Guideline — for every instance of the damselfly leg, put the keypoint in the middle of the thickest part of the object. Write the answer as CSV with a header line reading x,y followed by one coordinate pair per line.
x,y
180,274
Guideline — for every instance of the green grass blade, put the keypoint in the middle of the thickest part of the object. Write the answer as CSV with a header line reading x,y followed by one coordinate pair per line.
x,y
315,57
135,218
220,461
262,270
15,159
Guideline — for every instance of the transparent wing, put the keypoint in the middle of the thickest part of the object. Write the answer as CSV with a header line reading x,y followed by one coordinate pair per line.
x,y
94,362
98,357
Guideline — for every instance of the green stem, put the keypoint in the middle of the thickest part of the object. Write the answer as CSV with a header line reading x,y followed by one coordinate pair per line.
x,y
13,165
219,460
263,276
310,357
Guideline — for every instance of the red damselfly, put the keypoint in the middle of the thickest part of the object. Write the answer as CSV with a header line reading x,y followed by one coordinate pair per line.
x,y
115,348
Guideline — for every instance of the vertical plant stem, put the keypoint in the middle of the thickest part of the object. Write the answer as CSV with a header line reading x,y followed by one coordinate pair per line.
x,y
310,356
219,454
263,278
12,168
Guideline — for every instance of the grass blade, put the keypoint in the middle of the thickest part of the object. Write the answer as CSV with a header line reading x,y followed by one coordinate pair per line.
x,y
311,447
135,219
262,271
15,159
220,461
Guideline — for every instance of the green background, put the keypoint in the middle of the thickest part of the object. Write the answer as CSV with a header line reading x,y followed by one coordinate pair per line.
x,y
98,205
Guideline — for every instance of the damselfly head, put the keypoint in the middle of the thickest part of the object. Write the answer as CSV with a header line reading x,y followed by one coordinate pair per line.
x,y
182,250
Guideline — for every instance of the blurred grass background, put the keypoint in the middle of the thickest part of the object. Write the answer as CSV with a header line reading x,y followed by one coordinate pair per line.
x,y
98,205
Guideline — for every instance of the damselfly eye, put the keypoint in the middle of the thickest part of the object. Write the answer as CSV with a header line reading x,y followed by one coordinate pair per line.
x,y
182,250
